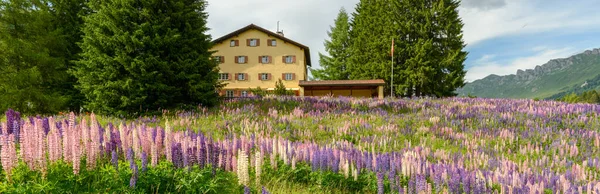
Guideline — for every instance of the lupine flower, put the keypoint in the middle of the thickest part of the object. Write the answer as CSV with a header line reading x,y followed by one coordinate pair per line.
x,y
134,176
242,168
144,161
264,191
380,188
114,160
246,190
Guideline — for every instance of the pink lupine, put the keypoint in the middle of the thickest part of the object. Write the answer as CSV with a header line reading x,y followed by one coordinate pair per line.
x,y
94,143
54,142
168,141
76,148
8,154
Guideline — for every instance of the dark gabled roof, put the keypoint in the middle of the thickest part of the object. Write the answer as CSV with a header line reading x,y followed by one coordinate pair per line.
x,y
252,26
375,82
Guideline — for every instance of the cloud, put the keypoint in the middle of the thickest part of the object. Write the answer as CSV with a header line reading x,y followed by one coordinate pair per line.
x,y
518,17
483,4
488,64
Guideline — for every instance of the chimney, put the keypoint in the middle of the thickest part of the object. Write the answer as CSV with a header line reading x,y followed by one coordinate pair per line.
x,y
279,32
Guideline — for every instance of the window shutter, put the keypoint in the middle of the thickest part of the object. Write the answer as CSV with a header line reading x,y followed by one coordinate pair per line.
x,y
260,59
237,42
257,42
229,76
270,59
247,42
246,76
222,59
269,76
236,93
235,58
259,77
294,59
221,92
269,42
283,59
283,76
235,77
293,76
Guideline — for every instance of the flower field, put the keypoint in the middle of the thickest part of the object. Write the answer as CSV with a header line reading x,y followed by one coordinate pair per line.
x,y
312,145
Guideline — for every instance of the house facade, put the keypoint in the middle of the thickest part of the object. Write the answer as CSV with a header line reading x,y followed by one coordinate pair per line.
x,y
254,57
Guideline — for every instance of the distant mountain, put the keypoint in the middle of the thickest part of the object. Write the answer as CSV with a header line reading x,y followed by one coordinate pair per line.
x,y
551,80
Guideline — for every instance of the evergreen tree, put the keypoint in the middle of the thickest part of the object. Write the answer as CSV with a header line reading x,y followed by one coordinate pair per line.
x,y
31,70
372,30
428,55
334,65
143,55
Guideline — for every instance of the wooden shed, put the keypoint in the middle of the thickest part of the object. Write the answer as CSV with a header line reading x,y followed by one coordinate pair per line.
x,y
354,88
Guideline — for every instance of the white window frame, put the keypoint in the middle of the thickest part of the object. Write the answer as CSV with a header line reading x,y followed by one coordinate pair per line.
x,y
264,59
225,75
241,59
244,93
219,59
229,93
253,42
289,76
264,76
289,59
242,76
273,42
232,43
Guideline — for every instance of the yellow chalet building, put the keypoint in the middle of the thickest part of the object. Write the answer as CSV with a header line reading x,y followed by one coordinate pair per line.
x,y
255,57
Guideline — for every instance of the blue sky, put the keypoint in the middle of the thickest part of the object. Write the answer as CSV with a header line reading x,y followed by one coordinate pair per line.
x,y
502,36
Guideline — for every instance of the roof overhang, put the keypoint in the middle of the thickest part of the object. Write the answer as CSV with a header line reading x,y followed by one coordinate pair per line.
x,y
273,34
377,82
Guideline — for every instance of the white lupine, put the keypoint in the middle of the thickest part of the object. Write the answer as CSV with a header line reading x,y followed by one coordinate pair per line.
x,y
242,168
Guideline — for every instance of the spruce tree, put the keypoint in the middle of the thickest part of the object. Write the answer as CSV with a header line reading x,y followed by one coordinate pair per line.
x,y
428,55
371,37
334,66
143,55
32,72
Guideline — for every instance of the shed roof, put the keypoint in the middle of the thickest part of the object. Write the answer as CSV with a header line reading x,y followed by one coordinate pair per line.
x,y
375,82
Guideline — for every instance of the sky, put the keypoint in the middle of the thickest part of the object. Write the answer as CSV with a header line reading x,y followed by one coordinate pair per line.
x,y
502,36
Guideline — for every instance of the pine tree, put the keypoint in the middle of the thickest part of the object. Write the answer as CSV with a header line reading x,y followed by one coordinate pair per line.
x,y
31,70
143,55
334,66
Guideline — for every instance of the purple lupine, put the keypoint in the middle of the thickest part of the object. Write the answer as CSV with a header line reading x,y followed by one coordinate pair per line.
x,y
380,187
115,159
392,179
144,161
201,152
134,176
246,190
264,191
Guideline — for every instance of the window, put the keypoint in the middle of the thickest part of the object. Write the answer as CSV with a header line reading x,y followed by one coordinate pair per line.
x,y
253,42
220,59
241,76
288,76
289,59
244,93
272,42
223,76
240,59
264,76
265,59
229,93
234,43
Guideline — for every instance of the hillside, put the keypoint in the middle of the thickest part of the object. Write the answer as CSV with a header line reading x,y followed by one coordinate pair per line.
x,y
545,81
